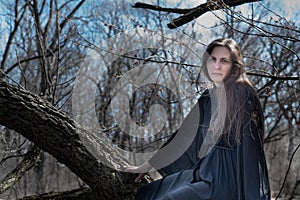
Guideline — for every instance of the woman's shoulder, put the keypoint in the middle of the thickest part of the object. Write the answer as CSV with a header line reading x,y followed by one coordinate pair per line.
x,y
204,96
204,99
205,93
249,94
247,91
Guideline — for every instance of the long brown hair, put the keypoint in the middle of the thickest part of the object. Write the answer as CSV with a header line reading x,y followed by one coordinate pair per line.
x,y
231,98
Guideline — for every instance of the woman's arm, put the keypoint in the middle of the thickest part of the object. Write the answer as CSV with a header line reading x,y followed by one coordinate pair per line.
x,y
252,169
141,170
180,151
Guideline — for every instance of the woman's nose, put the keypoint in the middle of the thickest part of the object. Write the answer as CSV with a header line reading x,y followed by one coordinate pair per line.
x,y
217,65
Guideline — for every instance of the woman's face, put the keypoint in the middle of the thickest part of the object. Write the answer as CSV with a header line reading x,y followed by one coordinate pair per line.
x,y
219,64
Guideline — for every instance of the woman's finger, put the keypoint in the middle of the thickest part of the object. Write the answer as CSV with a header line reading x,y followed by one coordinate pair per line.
x,y
138,179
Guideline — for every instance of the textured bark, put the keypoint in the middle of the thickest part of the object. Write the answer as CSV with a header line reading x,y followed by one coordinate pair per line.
x,y
58,134
81,193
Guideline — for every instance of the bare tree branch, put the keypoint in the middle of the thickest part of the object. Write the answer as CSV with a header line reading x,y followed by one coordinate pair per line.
x,y
30,159
287,172
63,24
158,8
193,13
17,20
283,78
80,193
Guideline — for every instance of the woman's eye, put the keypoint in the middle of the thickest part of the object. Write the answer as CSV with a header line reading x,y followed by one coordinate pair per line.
x,y
212,59
225,61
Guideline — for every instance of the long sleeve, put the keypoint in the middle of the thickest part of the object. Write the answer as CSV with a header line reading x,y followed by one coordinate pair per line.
x,y
180,151
252,171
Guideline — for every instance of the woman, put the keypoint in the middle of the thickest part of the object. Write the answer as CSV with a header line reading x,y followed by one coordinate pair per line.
x,y
226,158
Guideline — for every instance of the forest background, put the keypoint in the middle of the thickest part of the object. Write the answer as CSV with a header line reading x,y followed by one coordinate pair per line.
x,y
61,62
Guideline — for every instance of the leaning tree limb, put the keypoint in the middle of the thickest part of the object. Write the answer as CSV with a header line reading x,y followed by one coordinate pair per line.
x,y
58,134
193,13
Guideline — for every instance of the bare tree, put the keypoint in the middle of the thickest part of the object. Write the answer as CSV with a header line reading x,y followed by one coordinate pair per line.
x,y
47,44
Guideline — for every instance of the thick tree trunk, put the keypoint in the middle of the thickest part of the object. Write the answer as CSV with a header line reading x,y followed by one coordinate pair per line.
x,y
58,134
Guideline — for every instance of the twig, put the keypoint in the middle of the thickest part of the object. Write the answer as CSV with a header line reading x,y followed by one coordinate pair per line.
x,y
287,172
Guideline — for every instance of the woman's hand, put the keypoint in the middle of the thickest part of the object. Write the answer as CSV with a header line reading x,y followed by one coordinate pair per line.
x,y
141,170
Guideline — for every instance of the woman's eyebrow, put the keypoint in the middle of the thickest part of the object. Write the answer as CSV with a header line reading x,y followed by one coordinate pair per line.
x,y
222,58
225,58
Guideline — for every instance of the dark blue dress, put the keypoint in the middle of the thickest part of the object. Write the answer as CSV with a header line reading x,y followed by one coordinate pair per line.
x,y
230,171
